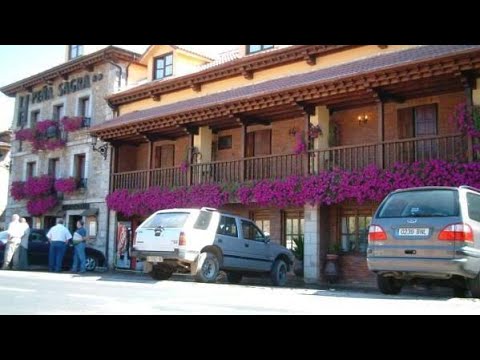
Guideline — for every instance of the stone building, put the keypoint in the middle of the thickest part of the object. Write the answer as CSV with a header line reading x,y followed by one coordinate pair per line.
x,y
57,169
5,140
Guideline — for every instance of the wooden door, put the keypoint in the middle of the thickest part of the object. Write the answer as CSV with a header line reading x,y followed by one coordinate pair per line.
x,y
258,143
405,151
426,125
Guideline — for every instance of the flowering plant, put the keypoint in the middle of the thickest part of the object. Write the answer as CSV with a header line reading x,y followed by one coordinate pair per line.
x,y
314,131
300,146
40,206
43,126
72,124
67,185
24,135
325,188
467,119
38,186
17,190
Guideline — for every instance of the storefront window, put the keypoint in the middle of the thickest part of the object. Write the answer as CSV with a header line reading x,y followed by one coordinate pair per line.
x,y
294,227
354,231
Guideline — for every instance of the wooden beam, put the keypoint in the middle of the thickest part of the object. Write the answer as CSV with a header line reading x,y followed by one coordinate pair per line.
x,y
188,130
311,59
197,87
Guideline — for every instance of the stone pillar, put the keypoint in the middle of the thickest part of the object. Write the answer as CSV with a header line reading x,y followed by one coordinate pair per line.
x,y
476,93
311,260
203,142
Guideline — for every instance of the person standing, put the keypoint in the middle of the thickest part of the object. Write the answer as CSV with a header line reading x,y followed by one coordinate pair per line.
x,y
15,232
79,244
23,261
59,237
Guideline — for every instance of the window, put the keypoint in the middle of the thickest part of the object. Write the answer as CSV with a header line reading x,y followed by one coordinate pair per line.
x,y
225,142
167,220
34,117
31,169
251,232
473,202
58,112
203,220
420,203
84,107
227,226
261,218
22,110
79,170
75,51
251,49
354,230
54,168
294,227
162,66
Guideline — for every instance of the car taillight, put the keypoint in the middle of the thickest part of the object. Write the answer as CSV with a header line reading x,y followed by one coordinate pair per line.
x,y
376,233
456,232
182,240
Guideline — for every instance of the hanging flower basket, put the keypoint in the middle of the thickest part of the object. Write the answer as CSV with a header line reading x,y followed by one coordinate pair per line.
x,y
67,185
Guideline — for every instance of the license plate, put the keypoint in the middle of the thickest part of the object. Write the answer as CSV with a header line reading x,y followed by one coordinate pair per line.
x,y
155,259
413,231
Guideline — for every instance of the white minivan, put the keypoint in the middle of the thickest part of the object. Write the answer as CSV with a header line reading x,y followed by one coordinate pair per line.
x,y
205,241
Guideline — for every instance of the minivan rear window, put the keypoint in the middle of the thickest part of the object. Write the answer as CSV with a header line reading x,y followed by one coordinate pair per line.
x,y
420,203
167,220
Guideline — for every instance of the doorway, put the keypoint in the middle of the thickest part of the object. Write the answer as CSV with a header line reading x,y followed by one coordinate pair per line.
x,y
72,222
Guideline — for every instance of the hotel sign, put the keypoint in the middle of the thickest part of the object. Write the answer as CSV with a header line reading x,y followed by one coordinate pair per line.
x,y
65,88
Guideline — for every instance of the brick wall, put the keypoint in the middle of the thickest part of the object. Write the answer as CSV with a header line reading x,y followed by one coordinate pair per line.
x,y
354,270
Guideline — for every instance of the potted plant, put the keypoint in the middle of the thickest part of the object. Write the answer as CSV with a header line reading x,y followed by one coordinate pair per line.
x,y
331,264
298,252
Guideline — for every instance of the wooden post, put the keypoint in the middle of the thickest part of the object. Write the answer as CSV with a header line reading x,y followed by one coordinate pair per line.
x,y
191,143
243,140
306,139
113,166
381,133
149,167
469,96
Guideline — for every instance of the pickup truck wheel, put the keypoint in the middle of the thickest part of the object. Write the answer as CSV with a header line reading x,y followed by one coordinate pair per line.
x,y
389,285
207,268
279,273
234,277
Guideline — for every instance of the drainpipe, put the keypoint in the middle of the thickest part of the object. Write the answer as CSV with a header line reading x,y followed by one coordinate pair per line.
x,y
126,73
108,212
120,71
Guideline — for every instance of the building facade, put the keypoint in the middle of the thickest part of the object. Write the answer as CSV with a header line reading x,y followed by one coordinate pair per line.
x,y
5,144
305,139
57,169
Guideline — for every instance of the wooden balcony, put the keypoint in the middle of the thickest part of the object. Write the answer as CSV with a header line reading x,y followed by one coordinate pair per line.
x,y
385,154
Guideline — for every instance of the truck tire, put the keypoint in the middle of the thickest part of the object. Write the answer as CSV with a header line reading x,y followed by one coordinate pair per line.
x,y
234,277
279,273
389,285
207,268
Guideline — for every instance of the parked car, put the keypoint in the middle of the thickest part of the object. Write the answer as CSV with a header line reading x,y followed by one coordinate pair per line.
x,y
39,246
205,241
427,235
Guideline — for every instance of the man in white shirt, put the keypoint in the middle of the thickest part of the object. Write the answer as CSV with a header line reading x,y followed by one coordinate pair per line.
x,y
15,233
23,249
58,236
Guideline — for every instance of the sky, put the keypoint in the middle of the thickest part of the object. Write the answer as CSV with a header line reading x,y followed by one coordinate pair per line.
x,y
21,61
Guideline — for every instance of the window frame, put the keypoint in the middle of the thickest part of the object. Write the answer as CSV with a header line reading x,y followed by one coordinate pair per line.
x,y
468,196
78,49
84,111
34,117
251,223
356,213
225,142
223,233
31,165
155,69
57,116
262,48
297,215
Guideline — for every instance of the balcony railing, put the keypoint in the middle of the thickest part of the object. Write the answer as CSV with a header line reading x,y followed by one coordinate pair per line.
x,y
356,157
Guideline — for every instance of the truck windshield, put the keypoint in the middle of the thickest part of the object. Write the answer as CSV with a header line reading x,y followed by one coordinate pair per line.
x,y
420,203
166,220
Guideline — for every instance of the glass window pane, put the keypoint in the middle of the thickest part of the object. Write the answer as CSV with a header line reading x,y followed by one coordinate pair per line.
x,y
289,226
295,226
302,223
169,60
351,224
159,74
168,70
254,48
267,46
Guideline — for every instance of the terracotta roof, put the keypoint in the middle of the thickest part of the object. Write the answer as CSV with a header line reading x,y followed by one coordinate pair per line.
x,y
358,67
70,66
225,68
222,59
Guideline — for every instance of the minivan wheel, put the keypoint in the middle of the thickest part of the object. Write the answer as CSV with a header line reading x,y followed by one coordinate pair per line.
x,y
234,277
279,273
474,286
207,268
389,285
90,263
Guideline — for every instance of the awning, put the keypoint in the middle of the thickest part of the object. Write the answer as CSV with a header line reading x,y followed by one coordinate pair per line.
x,y
90,212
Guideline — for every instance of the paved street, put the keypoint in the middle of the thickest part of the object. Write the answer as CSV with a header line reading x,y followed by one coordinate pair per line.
x,y
44,293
